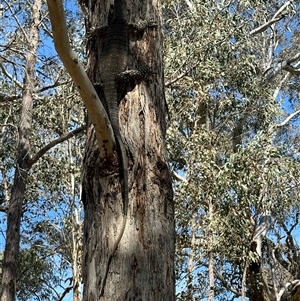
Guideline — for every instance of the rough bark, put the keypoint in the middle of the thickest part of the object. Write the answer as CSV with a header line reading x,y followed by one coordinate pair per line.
x,y
142,268
191,259
211,293
256,291
254,277
9,267
76,255
76,237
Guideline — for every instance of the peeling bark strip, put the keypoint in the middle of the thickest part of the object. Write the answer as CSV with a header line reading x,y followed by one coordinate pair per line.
x,y
76,70
14,213
142,267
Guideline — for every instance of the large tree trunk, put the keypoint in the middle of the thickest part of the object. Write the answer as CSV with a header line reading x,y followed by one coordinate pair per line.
x,y
9,267
256,291
143,265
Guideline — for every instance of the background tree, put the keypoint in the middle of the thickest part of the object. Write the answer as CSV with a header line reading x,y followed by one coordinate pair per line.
x,y
231,80
230,116
48,175
11,252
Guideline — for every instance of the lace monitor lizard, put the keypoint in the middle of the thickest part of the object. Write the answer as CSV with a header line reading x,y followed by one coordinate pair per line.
x,y
114,76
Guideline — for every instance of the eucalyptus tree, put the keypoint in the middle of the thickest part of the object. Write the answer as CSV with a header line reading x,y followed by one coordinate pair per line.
x,y
231,72
39,110
141,267
230,68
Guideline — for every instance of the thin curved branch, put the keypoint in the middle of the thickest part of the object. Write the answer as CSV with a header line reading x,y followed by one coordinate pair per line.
x,y
286,66
19,84
54,85
288,118
275,19
86,89
295,58
266,288
178,177
183,74
263,27
280,259
53,143
187,71
225,283
14,14
66,291
291,69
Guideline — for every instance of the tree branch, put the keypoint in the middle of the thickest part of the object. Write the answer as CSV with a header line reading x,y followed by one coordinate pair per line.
x,y
291,69
14,15
296,57
54,85
5,99
225,283
295,282
20,85
275,251
3,209
282,8
71,62
266,287
53,143
288,119
285,65
272,21
280,259
181,75
264,26
178,177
